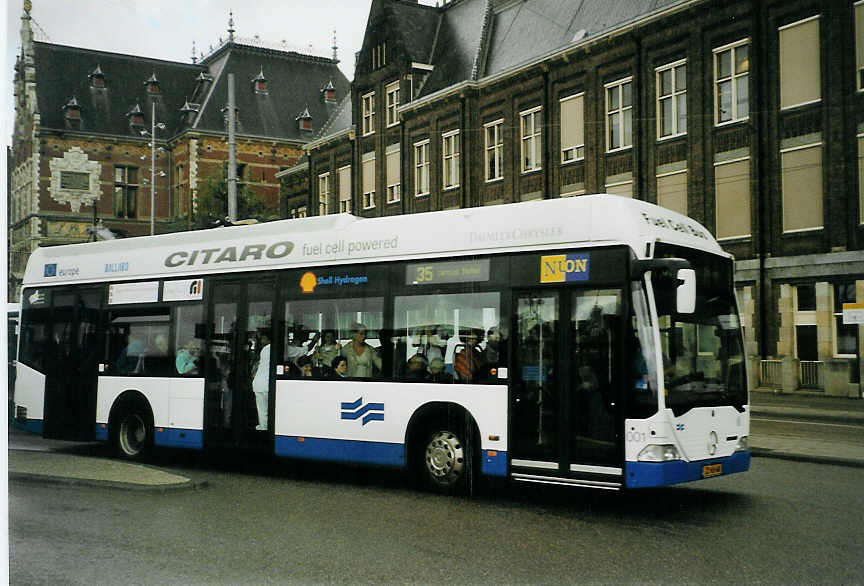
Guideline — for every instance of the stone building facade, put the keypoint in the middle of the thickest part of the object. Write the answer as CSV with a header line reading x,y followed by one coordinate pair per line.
x,y
747,116
81,155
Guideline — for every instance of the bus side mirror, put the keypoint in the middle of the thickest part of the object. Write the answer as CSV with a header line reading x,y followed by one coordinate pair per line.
x,y
685,293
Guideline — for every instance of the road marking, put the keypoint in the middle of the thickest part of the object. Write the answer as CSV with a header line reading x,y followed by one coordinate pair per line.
x,y
796,421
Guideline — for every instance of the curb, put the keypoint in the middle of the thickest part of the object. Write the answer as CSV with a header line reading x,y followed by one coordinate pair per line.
x,y
791,456
29,478
807,416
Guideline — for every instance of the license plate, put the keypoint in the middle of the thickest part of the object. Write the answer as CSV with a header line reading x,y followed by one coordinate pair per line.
x,y
712,470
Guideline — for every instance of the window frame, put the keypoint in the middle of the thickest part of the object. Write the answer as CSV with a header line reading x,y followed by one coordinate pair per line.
x,y
676,131
422,168
324,194
534,139
452,161
367,106
622,111
733,79
576,147
129,191
392,89
394,190
814,145
368,197
859,66
343,208
496,150
837,315
816,17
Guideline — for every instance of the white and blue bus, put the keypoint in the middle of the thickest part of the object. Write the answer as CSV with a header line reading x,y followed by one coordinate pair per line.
x,y
590,341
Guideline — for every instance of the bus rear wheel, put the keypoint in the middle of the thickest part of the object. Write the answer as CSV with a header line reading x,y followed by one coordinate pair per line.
x,y
446,462
133,435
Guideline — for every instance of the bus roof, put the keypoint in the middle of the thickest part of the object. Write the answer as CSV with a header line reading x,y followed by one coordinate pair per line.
x,y
344,238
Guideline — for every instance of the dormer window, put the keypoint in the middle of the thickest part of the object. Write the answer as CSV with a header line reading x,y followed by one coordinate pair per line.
x,y
72,110
136,116
304,121
152,84
260,82
329,92
189,111
97,78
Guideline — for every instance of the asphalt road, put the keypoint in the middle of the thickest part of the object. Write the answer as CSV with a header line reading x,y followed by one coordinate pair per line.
x,y
783,522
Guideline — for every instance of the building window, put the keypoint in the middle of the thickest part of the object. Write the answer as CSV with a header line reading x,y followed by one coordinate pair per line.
x,y
323,194
800,71
450,150
672,191
732,198
125,192
345,189
845,335
532,136
573,128
368,107
619,114
860,138
672,100
379,55
179,196
731,90
421,168
368,180
392,103
859,44
394,173
806,340
801,183
494,150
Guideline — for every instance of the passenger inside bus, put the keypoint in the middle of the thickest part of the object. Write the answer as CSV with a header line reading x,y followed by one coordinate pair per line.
x,y
363,359
437,374
339,367
187,358
417,368
261,379
305,365
328,349
469,362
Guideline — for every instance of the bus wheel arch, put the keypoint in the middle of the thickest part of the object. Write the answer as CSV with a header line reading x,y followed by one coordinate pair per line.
x,y
131,426
443,448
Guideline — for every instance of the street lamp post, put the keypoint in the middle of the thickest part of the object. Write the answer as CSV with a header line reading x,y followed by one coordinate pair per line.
x,y
153,128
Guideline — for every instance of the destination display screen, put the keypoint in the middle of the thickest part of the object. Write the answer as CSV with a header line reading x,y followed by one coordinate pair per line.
x,y
437,273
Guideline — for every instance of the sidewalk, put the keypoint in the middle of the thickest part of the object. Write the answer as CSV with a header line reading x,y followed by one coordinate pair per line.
x,y
34,459
810,415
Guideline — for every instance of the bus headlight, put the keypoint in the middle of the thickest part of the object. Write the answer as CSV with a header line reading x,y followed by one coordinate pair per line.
x,y
743,444
659,453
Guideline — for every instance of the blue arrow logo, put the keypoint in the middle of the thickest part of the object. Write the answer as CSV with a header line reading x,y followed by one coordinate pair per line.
x,y
368,412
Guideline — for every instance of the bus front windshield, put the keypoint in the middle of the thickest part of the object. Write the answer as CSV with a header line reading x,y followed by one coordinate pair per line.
x,y
703,358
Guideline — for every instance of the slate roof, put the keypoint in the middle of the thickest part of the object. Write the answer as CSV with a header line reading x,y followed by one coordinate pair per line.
x,y
483,38
63,72
294,84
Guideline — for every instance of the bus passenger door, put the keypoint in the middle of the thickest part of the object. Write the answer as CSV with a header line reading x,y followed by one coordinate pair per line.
x,y
564,400
237,381
71,362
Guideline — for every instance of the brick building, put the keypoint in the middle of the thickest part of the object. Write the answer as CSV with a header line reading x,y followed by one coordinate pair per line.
x,y
746,115
82,153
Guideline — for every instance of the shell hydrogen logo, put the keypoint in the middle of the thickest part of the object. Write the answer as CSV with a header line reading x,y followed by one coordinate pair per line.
x,y
308,282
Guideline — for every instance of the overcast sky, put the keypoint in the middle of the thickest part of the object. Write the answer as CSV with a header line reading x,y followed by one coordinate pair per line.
x,y
165,29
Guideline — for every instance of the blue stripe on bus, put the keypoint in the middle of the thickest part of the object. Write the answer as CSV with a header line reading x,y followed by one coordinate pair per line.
x,y
494,465
647,474
31,425
165,437
179,438
340,450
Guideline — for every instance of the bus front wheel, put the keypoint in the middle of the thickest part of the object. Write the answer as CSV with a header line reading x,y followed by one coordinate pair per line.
x,y
133,432
446,461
